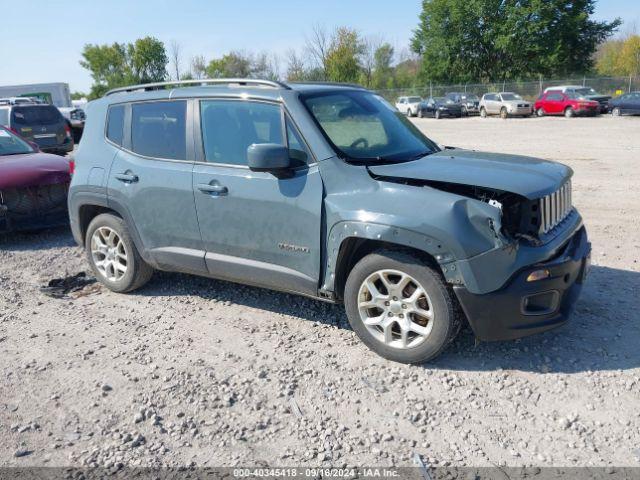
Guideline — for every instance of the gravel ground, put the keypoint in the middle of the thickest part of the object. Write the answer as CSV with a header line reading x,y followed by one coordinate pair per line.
x,y
191,371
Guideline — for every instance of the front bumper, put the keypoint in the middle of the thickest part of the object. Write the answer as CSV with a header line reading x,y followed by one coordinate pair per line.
x,y
36,221
520,111
522,308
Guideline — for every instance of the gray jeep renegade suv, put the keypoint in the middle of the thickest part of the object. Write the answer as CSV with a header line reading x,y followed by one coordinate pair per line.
x,y
327,191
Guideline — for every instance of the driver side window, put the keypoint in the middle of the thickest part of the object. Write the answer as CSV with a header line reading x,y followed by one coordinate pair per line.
x,y
229,127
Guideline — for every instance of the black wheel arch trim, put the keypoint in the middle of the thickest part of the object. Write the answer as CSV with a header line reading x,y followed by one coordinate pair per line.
x,y
77,200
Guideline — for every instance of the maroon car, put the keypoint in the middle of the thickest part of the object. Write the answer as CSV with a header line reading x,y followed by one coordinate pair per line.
x,y
33,185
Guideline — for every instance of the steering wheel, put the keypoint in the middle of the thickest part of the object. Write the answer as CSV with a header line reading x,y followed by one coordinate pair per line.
x,y
361,140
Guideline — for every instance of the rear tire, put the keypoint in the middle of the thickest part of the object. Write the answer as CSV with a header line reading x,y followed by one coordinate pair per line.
x,y
110,249
437,115
483,112
433,314
503,113
409,112
540,112
569,112
420,113
616,112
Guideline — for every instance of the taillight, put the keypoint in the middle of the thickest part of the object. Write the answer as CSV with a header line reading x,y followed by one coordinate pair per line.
x,y
67,130
72,166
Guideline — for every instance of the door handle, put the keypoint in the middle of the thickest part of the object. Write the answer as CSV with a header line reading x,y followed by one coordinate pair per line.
x,y
126,177
214,190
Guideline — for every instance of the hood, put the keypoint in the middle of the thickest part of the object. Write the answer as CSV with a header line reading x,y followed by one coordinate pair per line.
x,y
526,176
598,98
516,102
32,169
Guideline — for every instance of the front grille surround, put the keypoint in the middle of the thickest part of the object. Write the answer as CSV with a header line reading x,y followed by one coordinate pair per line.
x,y
555,208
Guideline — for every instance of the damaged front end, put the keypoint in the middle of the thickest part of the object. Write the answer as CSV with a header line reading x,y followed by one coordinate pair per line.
x,y
33,207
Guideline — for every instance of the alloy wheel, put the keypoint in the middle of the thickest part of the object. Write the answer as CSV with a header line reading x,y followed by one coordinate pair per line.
x,y
109,254
395,309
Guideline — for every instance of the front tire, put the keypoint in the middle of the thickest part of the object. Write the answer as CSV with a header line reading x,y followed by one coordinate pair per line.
x,y
503,113
113,256
569,112
420,113
540,112
437,115
399,307
616,112
409,112
483,112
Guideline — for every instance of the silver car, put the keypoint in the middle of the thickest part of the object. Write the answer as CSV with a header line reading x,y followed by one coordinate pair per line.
x,y
505,104
409,105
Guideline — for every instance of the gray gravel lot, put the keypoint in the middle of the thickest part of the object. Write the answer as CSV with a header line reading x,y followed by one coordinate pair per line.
x,y
191,371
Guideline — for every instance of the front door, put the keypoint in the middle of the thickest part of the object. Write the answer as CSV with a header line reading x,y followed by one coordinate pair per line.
x,y
256,228
151,179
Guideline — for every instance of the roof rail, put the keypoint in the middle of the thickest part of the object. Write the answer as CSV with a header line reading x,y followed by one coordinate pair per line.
x,y
208,81
338,84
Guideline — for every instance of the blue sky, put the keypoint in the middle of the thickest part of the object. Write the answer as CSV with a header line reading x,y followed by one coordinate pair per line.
x,y
46,47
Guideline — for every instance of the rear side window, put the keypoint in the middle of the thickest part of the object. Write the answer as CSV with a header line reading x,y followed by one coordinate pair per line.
x,y
115,124
230,127
4,116
158,129
36,115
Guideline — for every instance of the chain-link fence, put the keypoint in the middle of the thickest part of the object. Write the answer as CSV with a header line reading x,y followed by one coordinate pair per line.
x,y
528,89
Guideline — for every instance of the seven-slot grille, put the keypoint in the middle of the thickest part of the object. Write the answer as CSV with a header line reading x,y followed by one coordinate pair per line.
x,y
555,207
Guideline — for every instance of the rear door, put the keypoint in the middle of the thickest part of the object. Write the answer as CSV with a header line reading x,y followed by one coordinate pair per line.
x,y
151,178
492,104
42,124
631,103
256,228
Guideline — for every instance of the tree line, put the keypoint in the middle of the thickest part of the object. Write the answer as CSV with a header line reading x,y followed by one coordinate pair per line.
x,y
455,41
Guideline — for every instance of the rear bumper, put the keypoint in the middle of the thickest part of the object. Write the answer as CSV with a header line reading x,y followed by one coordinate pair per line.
x,y
522,308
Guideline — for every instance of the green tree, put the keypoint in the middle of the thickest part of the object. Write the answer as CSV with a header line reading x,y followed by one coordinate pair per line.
x,y
343,56
231,65
470,40
78,95
382,67
119,64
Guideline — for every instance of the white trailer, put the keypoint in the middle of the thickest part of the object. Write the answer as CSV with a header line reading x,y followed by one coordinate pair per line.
x,y
54,93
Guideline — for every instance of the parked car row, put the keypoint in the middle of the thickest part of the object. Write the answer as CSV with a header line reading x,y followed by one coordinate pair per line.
x,y
567,100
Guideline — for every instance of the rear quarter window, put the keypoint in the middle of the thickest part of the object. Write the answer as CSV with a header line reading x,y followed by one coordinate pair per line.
x,y
4,116
115,124
158,129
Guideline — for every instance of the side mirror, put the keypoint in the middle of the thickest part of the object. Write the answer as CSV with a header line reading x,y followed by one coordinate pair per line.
x,y
268,157
34,145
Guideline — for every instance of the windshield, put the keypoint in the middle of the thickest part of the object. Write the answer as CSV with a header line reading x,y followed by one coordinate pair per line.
x,y
472,98
510,96
11,144
586,91
364,127
415,99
